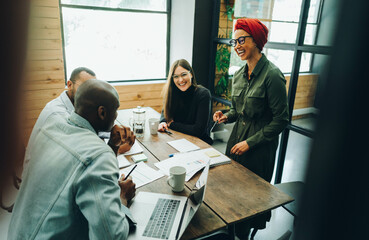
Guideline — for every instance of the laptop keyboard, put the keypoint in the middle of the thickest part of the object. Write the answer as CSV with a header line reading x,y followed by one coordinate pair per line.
x,y
162,218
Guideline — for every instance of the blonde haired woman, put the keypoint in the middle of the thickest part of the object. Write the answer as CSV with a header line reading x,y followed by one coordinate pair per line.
x,y
187,105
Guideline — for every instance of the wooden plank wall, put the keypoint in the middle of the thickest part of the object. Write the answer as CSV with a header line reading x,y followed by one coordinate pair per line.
x,y
44,78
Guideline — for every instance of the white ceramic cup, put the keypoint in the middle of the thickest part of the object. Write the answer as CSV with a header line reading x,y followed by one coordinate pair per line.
x,y
154,124
176,179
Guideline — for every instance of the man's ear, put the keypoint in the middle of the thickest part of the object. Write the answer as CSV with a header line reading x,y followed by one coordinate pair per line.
x,y
101,112
69,84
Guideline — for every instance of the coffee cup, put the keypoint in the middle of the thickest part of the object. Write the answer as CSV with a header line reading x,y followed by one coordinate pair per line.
x,y
154,124
176,179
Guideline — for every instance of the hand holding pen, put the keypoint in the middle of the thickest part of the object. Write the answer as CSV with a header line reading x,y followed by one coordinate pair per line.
x,y
219,117
164,127
127,188
130,172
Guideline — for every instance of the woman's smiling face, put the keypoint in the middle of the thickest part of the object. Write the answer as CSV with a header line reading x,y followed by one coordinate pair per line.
x,y
246,50
182,78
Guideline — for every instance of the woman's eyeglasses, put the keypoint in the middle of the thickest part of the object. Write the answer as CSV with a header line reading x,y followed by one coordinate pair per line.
x,y
183,75
241,40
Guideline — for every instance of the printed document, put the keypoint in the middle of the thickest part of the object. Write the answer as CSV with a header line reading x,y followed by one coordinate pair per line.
x,y
142,174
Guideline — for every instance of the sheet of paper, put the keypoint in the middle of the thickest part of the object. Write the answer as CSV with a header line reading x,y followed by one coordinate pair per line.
x,y
136,148
142,175
192,164
122,161
183,145
104,135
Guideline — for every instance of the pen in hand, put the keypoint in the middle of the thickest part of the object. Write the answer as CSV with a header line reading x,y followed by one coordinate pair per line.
x,y
168,132
215,123
130,172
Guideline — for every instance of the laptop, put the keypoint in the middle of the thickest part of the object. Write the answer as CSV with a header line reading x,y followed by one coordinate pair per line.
x,y
164,216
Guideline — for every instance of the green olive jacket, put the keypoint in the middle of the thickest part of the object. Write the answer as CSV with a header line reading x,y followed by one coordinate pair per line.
x,y
260,110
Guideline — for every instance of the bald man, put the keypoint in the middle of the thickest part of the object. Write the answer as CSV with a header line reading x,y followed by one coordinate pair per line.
x,y
62,105
72,191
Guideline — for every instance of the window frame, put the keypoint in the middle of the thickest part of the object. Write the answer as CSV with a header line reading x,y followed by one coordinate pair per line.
x,y
118,82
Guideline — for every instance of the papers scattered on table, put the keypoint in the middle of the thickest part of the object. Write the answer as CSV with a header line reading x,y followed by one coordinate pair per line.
x,y
142,175
122,161
183,145
193,161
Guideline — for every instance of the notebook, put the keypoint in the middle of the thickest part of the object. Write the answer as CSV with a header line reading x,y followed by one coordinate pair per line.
x,y
164,216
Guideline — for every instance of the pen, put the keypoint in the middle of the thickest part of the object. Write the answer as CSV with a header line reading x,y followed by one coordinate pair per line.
x,y
168,132
215,123
130,172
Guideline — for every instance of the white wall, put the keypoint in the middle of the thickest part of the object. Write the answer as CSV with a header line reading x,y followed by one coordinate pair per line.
x,y
181,30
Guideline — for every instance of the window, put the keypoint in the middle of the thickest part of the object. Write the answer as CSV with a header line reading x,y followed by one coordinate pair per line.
x,y
120,40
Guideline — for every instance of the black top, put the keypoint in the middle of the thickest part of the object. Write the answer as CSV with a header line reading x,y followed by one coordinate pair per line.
x,y
193,112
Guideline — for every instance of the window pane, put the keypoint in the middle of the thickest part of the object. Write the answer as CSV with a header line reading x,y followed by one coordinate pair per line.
x,y
281,58
111,44
283,32
287,10
281,10
154,5
310,34
309,89
305,62
314,11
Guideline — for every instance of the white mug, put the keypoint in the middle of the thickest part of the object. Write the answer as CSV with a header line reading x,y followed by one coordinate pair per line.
x,y
154,124
176,179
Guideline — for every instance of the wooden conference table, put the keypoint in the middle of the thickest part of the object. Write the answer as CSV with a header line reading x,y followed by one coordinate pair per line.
x,y
233,192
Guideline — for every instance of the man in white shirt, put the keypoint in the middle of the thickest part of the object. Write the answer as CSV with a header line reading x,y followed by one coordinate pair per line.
x,y
62,105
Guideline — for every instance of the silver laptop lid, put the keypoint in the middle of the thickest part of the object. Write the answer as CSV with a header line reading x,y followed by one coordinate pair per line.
x,y
194,201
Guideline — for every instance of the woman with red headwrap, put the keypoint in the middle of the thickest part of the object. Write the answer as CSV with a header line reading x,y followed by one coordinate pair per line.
x,y
259,108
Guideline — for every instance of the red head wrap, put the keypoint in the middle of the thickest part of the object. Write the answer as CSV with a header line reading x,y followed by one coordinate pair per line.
x,y
255,28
